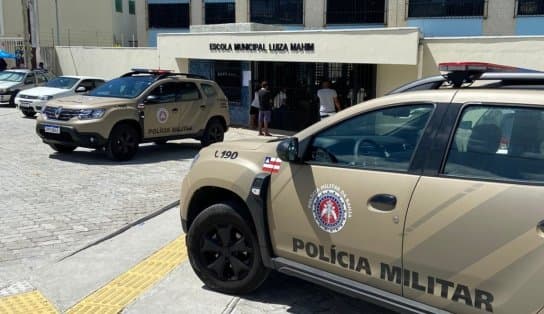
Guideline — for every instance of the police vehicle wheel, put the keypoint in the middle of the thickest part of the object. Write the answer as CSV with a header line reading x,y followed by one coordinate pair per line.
x,y
213,133
123,142
29,113
64,149
224,252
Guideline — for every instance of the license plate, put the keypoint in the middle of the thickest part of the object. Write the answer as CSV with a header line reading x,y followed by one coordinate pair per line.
x,y
24,103
52,129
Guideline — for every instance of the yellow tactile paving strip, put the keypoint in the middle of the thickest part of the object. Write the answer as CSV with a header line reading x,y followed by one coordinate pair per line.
x,y
121,291
24,303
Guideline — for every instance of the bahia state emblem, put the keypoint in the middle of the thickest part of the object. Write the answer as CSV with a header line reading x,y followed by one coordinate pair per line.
x,y
330,208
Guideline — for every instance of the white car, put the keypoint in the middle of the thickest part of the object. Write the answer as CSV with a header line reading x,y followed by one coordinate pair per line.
x,y
33,100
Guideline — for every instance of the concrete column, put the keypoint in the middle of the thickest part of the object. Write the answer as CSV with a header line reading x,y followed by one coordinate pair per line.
x,y
242,11
500,18
314,13
396,13
197,12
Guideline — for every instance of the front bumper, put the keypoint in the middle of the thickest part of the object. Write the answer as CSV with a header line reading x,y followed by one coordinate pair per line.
x,y
6,98
35,105
69,136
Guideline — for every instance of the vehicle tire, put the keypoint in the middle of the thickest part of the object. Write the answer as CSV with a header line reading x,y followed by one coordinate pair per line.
x,y
28,112
63,149
213,133
123,142
224,251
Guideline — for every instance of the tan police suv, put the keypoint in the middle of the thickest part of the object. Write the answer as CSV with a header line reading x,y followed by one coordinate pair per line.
x,y
426,201
140,106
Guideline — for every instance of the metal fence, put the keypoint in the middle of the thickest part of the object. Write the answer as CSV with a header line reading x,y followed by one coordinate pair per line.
x,y
530,7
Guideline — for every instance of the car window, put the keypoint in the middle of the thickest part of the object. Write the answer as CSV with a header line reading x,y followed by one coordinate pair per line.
x,y
123,87
41,78
88,84
62,82
498,143
30,79
209,90
11,76
384,139
188,91
165,93
98,83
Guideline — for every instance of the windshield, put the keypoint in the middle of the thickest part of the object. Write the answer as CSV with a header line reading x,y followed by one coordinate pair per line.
x,y
62,82
123,87
12,76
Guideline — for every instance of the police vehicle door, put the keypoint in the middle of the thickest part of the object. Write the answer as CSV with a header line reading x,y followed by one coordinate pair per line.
x,y
191,112
474,233
343,209
161,111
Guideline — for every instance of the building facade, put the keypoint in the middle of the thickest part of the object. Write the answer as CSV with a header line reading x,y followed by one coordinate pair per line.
x,y
104,23
364,47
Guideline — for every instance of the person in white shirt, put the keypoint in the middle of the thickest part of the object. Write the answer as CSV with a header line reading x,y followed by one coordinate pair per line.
x,y
254,110
328,100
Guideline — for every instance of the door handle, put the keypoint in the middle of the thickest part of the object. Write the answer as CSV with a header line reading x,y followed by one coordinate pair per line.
x,y
383,202
175,110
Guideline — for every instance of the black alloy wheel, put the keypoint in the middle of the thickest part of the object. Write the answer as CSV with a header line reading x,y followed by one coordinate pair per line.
x,y
123,142
213,133
224,251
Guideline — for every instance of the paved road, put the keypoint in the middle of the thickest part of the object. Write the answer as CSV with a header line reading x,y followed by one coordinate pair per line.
x,y
52,204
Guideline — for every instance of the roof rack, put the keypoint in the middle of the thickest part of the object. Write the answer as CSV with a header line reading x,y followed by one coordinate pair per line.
x,y
161,73
459,73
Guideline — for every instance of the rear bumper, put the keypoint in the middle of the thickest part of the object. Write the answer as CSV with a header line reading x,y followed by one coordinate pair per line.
x,y
69,136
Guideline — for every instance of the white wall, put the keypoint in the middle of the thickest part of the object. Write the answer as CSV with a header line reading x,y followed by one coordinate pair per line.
x,y
105,62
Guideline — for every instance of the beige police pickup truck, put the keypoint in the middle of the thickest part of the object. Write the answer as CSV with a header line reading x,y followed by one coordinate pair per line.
x,y
422,201
140,106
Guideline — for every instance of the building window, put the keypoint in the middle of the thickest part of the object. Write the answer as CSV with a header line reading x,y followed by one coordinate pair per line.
x,y
277,12
169,15
131,7
445,8
355,11
530,7
219,13
119,6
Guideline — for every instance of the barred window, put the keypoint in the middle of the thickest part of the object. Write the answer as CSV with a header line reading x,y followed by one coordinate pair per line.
x,y
355,11
530,7
277,12
169,15
445,8
131,7
219,13
119,6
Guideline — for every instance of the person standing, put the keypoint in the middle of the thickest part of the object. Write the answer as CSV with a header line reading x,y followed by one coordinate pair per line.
x,y
328,100
254,110
265,108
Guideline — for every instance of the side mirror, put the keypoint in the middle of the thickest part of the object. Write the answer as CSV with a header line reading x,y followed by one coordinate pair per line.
x,y
81,89
287,149
151,99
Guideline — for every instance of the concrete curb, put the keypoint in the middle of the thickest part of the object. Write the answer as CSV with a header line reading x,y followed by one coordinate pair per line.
x,y
123,229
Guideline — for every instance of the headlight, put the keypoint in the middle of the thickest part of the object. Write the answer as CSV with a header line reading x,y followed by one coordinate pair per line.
x,y
194,160
45,97
87,114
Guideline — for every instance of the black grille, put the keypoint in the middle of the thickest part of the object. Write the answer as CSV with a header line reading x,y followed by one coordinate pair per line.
x,y
64,137
27,97
63,114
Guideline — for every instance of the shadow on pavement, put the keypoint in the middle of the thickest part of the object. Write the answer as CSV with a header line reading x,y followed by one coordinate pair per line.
x,y
300,296
148,153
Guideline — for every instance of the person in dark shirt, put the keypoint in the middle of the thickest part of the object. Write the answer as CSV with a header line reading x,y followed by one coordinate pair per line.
x,y
265,108
3,64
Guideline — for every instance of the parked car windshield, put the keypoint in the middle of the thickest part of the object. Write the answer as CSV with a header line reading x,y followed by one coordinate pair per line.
x,y
124,87
12,76
62,82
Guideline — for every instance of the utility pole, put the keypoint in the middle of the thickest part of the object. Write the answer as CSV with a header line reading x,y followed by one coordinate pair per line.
x,y
57,19
27,50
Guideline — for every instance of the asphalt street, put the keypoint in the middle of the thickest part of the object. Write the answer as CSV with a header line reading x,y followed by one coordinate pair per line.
x,y
53,205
